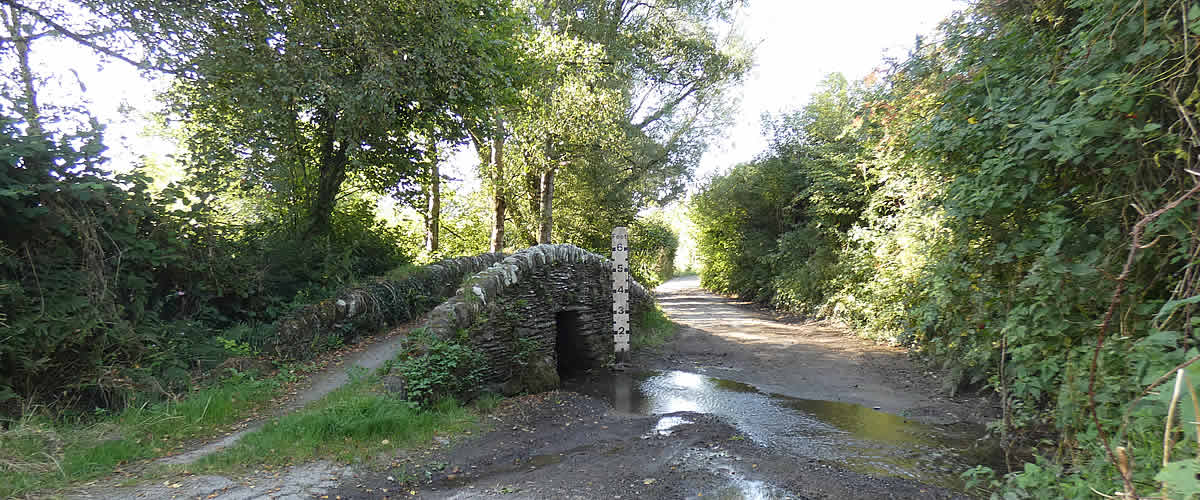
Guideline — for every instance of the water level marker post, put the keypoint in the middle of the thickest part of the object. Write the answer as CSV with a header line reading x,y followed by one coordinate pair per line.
x,y
620,276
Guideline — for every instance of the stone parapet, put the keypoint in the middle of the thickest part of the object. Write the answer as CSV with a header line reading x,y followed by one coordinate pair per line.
x,y
363,310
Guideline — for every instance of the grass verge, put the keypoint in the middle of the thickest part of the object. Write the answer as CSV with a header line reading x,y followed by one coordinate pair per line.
x,y
39,452
352,424
654,330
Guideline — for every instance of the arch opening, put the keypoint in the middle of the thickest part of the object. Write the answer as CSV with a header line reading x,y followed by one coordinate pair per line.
x,y
568,345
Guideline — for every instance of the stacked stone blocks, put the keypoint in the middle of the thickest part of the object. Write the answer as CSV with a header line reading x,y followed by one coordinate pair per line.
x,y
525,296
365,309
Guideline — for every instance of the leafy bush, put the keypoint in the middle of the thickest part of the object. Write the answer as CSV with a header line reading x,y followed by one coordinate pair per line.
x,y
652,251
773,230
445,368
109,289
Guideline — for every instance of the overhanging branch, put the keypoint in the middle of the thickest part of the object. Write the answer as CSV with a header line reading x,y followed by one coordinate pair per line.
x,y
82,39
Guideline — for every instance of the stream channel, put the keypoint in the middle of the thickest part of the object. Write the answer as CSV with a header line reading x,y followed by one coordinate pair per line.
x,y
855,437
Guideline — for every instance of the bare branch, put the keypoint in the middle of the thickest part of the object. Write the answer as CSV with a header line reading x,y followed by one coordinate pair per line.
x,y
668,107
82,39
1134,246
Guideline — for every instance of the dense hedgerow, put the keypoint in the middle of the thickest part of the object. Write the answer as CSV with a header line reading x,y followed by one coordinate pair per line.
x,y
108,289
652,251
980,202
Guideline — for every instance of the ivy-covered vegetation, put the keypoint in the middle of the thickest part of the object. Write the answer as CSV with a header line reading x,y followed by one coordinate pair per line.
x,y
1017,199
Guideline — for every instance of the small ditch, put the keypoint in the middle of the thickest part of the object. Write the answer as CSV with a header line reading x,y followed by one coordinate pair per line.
x,y
855,437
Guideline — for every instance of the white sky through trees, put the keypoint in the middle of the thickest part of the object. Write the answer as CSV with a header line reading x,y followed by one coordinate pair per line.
x,y
797,43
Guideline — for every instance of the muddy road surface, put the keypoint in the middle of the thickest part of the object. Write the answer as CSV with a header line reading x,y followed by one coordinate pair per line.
x,y
740,405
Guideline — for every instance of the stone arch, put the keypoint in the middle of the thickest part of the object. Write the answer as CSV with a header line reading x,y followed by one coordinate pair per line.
x,y
511,313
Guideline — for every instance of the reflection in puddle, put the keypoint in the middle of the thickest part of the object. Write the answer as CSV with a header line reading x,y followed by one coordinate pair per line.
x,y
666,425
741,489
854,436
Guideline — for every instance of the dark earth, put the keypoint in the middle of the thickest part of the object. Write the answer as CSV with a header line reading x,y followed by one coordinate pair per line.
x,y
737,405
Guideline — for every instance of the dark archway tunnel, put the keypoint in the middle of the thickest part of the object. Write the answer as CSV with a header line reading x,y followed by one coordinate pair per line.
x,y
568,345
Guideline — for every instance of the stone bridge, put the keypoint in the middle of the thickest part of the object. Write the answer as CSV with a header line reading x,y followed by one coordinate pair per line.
x,y
537,315
529,317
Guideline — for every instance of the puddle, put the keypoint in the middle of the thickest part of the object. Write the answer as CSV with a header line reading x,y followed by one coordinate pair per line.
x,y
853,436
544,460
667,425
741,489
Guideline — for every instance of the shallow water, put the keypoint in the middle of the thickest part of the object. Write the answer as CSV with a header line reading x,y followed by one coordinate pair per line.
x,y
852,436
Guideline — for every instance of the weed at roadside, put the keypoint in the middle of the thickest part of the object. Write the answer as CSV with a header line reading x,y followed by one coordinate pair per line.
x,y
37,453
352,424
488,402
654,330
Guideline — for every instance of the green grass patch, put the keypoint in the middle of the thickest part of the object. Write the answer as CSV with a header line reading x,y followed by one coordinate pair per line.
x,y
654,330
352,424
39,452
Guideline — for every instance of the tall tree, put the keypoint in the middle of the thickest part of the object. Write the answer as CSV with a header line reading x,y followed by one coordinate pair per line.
x,y
489,138
295,98
20,33
563,111
665,70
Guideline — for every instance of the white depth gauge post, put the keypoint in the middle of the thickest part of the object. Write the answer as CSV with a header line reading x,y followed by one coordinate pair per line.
x,y
620,257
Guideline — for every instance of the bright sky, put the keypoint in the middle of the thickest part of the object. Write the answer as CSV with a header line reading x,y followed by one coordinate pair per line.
x,y
801,41
798,43
111,90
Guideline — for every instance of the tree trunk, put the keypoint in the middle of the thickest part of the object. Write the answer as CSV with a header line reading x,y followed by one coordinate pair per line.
x,y
433,219
546,195
499,201
330,175
31,113
532,215
491,153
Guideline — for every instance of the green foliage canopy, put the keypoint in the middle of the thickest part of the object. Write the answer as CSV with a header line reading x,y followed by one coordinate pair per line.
x,y
277,103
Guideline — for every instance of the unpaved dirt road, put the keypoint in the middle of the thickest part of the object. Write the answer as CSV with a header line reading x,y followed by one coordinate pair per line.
x,y
738,405
730,339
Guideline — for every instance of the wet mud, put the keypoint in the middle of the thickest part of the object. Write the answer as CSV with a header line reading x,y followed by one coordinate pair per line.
x,y
567,445
849,435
